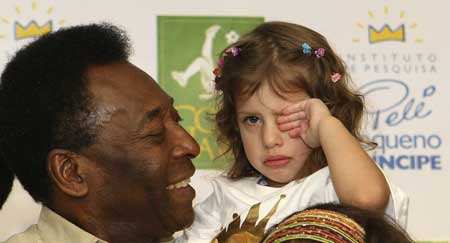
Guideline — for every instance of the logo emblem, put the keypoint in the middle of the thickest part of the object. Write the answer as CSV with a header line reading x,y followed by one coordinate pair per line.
x,y
386,34
386,27
31,30
28,22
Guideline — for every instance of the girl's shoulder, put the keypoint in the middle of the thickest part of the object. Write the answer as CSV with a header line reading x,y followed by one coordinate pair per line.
x,y
225,181
322,174
241,188
222,181
248,187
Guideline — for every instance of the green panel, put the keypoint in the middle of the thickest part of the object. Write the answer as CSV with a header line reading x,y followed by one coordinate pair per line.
x,y
188,49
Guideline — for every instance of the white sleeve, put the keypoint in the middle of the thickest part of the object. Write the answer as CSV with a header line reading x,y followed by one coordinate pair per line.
x,y
206,223
330,193
398,205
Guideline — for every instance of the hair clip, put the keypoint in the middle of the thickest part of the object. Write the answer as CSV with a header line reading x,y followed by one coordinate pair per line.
x,y
335,77
320,52
233,51
220,62
217,72
306,48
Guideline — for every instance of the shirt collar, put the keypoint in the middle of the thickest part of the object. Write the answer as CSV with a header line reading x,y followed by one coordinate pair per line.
x,y
54,228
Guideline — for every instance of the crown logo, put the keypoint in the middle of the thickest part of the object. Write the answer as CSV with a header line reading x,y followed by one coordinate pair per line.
x,y
386,34
32,29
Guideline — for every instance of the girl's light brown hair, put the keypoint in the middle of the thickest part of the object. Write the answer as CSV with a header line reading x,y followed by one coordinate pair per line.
x,y
271,54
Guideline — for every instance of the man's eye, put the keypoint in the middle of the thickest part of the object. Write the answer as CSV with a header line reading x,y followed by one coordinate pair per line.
x,y
251,120
157,136
176,116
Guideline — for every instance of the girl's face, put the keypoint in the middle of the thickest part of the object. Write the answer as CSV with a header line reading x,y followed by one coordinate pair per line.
x,y
273,153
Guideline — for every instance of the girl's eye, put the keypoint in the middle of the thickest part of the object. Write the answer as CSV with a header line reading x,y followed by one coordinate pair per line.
x,y
251,120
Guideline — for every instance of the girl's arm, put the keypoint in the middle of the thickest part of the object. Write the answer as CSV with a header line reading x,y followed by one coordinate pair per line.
x,y
356,178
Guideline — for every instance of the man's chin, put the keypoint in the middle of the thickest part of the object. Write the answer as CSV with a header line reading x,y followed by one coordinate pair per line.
x,y
182,213
176,216
187,220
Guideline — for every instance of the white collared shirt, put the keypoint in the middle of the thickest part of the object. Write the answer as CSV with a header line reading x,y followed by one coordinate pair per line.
x,y
52,228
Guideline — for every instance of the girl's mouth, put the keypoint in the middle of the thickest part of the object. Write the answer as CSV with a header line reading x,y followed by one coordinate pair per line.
x,y
276,161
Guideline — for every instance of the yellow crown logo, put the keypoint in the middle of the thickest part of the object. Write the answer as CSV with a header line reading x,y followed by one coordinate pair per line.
x,y
32,29
386,34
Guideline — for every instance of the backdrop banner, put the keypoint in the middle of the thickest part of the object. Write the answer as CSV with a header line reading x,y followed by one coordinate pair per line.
x,y
395,50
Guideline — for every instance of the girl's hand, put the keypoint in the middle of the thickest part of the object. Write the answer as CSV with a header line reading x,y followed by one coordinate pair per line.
x,y
303,119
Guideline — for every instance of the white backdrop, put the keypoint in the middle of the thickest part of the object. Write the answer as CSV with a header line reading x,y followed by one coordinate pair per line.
x,y
406,81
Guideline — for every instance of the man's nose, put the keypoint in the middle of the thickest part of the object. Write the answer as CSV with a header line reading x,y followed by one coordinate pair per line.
x,y
185,144
271,135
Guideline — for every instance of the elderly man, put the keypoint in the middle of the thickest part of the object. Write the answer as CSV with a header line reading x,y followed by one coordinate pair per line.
x,y
95,140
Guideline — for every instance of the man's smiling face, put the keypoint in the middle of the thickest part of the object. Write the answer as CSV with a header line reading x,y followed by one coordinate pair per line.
x,y
142,153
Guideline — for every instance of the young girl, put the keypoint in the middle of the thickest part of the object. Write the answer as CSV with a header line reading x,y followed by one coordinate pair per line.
x,y
291,122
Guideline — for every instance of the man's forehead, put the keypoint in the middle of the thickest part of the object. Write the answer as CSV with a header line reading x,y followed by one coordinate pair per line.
x,y
122,81
124,88
101,115
122,73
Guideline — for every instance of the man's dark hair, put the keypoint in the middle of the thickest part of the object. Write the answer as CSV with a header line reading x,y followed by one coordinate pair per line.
x,y
45,102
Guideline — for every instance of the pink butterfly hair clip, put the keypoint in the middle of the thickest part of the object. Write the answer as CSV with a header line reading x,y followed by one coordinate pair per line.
x,y
335,77
320,52
232,51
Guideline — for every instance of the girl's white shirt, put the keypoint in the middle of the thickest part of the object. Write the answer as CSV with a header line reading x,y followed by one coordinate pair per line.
x,y
238,196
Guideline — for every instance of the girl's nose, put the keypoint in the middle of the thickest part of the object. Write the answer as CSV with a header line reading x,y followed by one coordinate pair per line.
x,y
272,136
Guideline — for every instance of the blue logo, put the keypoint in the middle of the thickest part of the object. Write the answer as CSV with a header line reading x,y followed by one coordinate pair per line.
x,y
394,102
396,106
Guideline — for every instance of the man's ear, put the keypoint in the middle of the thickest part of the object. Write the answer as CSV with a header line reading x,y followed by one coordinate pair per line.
x,y
67,170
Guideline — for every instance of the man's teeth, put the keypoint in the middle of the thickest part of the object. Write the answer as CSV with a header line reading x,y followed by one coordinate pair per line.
x,y
178,185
